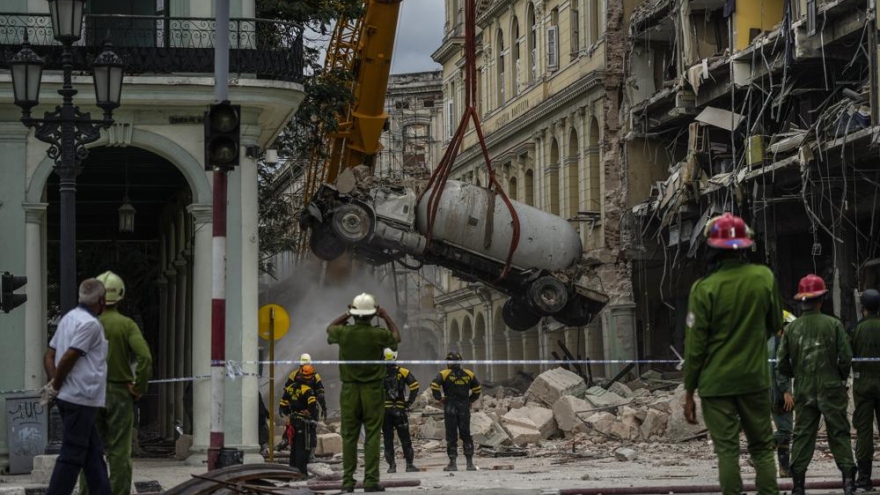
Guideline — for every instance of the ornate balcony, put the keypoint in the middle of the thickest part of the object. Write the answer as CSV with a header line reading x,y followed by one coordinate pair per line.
x,y
258,48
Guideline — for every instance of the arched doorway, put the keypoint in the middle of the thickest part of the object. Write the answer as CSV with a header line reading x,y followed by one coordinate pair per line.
x,y
154,260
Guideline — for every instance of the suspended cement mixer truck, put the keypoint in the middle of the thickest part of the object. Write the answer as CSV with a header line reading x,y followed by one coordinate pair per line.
x,y
472,229
471,236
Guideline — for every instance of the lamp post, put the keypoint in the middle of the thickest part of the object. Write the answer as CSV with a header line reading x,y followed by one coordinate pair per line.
x,y
66,129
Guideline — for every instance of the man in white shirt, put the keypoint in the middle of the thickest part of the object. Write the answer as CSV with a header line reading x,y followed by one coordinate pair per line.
x,y
76,364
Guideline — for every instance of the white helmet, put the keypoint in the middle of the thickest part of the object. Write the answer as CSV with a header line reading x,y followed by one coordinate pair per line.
x,y
114,287
304,358
390,355
363,305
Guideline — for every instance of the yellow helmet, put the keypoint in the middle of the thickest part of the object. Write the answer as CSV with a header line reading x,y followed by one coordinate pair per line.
x,y
390,355
114,287
787,317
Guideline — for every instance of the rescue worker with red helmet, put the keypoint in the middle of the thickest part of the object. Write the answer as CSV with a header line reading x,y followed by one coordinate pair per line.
x,y
866,384
313,379
732,312
299,403
401,390
125,385
361,400
816,352
457,388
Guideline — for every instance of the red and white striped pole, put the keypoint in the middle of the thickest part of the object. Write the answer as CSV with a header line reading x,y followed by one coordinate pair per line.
x,y
218,285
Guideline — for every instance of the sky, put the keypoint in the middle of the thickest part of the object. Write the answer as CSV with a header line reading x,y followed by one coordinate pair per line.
x,y
419,34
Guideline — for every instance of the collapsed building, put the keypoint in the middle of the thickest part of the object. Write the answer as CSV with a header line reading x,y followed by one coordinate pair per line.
x,y
766,108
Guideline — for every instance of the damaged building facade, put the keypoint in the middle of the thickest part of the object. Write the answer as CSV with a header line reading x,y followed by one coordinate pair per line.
x,y
549,77
765,108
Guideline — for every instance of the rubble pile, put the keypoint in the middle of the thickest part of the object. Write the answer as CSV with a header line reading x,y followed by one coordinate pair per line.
x,y
560,406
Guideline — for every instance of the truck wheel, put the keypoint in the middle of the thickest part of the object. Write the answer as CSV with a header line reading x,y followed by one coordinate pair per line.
x,y
325,245
547,295
352,223
517,316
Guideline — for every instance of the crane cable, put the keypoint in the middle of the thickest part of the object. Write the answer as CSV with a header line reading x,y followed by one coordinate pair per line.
x,y
440,176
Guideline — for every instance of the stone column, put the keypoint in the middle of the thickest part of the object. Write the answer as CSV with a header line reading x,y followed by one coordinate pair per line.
x,y
241,303
35,308
182,268
168,350
620,337
201,329
161,357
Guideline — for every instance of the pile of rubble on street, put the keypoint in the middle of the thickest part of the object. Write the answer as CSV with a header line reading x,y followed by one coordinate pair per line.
x,y
558,412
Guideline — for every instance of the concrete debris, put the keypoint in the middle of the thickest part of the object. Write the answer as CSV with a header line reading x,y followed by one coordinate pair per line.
x,y
566,411
532,416
486,431
329,444
322,471
641,412
601,398
550,385
625,454
523,435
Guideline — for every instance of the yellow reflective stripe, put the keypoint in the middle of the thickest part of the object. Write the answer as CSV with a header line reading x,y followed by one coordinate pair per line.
x,y
414,386
435,386
312,400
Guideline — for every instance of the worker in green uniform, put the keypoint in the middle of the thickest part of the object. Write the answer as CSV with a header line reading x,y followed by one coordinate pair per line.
x,y
866,384
816,352
782,401
115,420
362,401
731,313
299,403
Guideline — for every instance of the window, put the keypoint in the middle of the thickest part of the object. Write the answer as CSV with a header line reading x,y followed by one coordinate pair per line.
x,y
552,48
450,118
575,33
533,45
516,62
499,64
428,103
594,21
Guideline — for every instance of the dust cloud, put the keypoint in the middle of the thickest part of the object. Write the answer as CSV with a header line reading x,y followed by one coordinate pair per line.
x,y
313,300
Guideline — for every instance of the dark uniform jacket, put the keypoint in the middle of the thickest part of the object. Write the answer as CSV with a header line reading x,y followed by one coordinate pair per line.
x,y
397,381
731,314
299,400
456,385
315,383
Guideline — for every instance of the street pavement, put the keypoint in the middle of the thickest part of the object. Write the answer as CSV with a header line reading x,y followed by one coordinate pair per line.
x,y
661,467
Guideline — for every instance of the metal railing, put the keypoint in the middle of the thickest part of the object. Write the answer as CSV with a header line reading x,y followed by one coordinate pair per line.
x,y
262,48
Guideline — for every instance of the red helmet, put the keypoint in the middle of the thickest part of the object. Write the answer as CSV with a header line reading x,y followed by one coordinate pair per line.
x,y
728,232
810,287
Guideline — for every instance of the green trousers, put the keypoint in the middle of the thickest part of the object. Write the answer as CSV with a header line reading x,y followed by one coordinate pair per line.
x,y
866,396
725,417
115,422
362,404
808,410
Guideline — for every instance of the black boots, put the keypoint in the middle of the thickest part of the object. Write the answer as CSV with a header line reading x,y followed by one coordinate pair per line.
x,y
849,482
451,466
411,468
782,455
864,479
798,482
392,468
470,463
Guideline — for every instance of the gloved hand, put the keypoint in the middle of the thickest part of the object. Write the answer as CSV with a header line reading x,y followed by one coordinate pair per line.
x,y
284,411
48,394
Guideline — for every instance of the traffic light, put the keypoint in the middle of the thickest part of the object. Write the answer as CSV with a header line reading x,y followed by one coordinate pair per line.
x,y
8,299
222,136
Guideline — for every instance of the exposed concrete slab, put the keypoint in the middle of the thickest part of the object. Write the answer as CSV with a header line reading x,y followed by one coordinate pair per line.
x,y
550,385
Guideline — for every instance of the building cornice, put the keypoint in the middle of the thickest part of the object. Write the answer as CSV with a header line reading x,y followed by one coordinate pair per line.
x,y
486,17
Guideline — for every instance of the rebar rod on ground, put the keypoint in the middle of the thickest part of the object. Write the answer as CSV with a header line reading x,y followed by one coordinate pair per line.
x,y
337,485
666,490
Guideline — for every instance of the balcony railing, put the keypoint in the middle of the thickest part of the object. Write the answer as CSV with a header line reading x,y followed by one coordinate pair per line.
x,y
261,48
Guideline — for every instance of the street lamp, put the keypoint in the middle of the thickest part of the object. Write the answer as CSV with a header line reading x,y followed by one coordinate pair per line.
x,y
66,129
